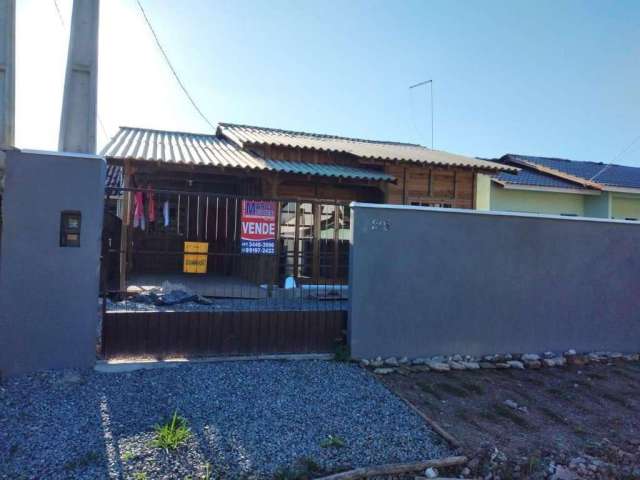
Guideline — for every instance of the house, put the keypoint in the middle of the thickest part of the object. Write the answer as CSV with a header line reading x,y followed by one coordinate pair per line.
x,y
562,187
313,177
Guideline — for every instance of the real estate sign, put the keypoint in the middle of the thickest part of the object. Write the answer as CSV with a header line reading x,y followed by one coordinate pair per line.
x,y
258,227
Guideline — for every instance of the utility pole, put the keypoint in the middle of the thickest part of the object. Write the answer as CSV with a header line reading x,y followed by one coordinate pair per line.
x,y
79,104
7,72
430,82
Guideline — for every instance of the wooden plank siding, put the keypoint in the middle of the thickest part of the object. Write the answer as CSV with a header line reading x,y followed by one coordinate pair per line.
x,y
198,334
427,186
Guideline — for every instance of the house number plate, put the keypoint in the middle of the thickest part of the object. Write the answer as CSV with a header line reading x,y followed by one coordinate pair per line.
x,y
380,225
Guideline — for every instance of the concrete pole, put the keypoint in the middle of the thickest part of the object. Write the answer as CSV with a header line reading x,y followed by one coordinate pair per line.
x,y
7,72
79,105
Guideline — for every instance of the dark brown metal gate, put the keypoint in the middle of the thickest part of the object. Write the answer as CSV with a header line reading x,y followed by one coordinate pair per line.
x,y
251,312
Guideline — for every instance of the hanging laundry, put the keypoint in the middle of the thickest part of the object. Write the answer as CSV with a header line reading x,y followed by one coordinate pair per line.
x,y
138,211
151,204
165,213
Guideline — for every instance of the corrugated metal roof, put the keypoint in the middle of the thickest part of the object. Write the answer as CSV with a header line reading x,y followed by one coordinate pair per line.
x,y
601,173
211,150
369,149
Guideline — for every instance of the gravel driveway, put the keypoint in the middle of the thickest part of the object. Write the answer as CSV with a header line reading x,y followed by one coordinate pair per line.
x,y
249,419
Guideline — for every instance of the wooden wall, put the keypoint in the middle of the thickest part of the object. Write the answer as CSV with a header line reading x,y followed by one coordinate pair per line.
x,y
431,186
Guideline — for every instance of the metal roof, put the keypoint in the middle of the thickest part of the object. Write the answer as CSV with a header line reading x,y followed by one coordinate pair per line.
x,y
601,173
393,151
211,150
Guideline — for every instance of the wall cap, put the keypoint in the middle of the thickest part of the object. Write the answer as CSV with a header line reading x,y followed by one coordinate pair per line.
x,y
384,206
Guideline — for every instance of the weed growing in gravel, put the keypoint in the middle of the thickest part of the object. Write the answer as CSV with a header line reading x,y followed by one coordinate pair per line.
x,y
139,476
207,472
341,353
128,456
333,441
172,434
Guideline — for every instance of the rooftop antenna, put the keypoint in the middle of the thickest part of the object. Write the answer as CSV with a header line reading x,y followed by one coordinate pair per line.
x,y
430,82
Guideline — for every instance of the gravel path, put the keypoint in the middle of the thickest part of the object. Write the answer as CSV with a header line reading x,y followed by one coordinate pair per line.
x,y
249,419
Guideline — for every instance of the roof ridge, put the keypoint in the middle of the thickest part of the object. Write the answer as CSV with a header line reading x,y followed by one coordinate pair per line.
x,y
321,135
159,130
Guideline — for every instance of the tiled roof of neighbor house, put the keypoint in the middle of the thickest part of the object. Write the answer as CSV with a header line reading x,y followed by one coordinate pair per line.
x,y
600,173
211,150
528,177
369,149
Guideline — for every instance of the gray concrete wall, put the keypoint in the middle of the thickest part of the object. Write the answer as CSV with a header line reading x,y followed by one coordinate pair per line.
x,y
428,282
49,294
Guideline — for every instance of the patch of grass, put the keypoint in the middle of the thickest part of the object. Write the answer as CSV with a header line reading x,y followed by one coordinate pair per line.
x,y
172,434
139,476
474,388
333,441
559,419
452,390
128,456
89,458
429,388
510,414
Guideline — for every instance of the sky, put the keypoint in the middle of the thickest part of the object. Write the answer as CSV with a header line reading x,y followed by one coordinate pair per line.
x,y
549,78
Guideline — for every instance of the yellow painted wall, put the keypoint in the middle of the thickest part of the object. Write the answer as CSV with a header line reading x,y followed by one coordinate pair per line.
x,y
549,203
625,207
483,192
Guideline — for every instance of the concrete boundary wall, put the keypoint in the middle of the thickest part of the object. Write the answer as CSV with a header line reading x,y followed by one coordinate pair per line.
x,y
428,281
49,293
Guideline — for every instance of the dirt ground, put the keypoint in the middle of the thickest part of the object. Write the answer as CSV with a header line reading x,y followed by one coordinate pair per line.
x,y
571,422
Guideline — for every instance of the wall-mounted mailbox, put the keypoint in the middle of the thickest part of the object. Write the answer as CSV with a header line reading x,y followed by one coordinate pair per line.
x,y
70,228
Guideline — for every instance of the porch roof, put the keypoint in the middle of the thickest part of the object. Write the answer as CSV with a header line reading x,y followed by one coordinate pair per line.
x,y
210,150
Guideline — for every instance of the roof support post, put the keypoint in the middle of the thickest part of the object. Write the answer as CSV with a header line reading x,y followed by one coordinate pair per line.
x,y
79,105
7,72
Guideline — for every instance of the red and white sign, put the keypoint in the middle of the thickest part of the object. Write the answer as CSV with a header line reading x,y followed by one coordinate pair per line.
x,y
258,227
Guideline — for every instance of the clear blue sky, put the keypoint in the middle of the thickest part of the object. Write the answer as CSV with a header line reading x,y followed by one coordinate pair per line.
x,y
552,78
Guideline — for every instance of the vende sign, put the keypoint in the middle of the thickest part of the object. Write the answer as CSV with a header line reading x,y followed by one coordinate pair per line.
x,y
258,227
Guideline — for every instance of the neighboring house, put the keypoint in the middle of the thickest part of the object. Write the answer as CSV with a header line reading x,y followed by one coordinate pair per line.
x,y
562,187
